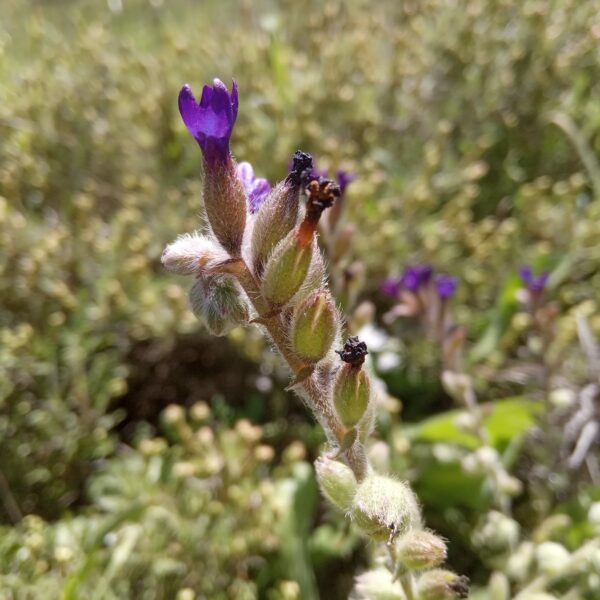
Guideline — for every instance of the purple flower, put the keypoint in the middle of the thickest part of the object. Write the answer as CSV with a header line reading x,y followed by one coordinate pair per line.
x,y
534,284
391,286
415,276
211,120
446,285
257,189
317,173
344,178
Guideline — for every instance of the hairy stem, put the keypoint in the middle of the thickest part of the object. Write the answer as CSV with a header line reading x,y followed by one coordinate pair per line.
x,y
408,585
355,455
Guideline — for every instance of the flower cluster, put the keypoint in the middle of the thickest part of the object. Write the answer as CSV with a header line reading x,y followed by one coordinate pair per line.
x,y
423,295
260,263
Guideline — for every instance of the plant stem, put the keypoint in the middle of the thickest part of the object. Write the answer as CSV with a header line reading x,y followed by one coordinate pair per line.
x,y
408,585
310,388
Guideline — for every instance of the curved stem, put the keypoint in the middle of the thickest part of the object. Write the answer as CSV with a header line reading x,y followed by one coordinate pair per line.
x,y
313,390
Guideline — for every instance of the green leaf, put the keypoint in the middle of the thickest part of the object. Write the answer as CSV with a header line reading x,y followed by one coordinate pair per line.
x,y
504,419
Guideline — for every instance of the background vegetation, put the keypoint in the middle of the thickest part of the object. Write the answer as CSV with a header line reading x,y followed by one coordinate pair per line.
x,y
141,458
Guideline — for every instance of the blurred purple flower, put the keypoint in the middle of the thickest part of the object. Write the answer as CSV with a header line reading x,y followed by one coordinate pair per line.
x,y
344,178
446,285
211,120
534,284
415,276
257,189
391,286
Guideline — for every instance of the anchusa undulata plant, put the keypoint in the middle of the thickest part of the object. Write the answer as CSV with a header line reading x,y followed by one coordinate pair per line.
x,y
424,296
258,262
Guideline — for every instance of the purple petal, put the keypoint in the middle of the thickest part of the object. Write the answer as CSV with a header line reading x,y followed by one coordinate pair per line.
x,y
234,99
257,189
416,276
446,285
245,173
257,195
344,178
533,283
526,273
211,120
391,286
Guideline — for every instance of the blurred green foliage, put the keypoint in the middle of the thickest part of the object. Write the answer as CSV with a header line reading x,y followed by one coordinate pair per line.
x,y
475,133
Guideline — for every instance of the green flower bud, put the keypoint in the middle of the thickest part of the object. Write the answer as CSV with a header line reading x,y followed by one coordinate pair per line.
x,y
419,550
337,481
276,217
520,561
552,558
383,507
352,388
551,527
442,585
286,270
218,303
314,326
497,533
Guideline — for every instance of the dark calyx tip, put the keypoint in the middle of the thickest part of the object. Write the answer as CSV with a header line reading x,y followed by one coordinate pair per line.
x,y
302,164
353,352
321,193
461,586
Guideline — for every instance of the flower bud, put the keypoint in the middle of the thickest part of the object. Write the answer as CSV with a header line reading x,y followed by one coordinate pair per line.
x,y
442,585
278,214
337,481
315,278
499,586
520,561
497,533
383,507
190,253
377,584
286,270
211,121
352,388
225,204
314,326
419,550
218,303
551,527
551,558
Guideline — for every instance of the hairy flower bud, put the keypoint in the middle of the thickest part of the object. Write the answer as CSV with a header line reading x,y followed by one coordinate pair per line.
x,y
497,533
211,121
225,204
337,481
442,585
551,558
383,507
314,326
218,303
377,584
419,550
352,388
190,253
286,270
278,214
